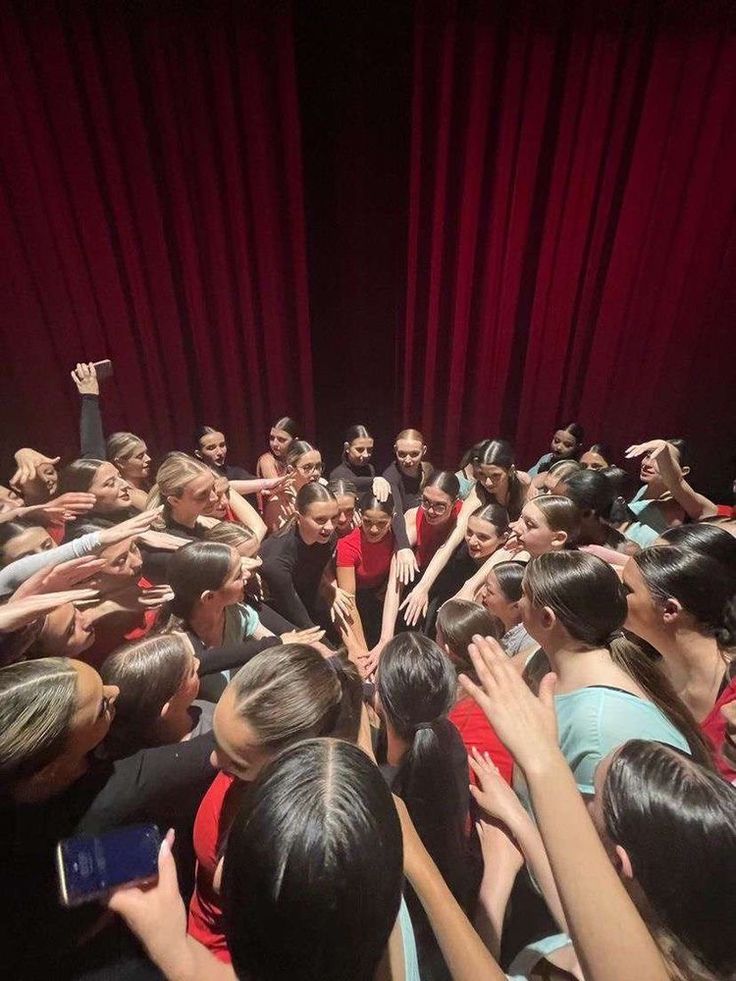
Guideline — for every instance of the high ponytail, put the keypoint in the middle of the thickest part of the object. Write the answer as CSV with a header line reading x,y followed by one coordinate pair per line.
x,y
416,688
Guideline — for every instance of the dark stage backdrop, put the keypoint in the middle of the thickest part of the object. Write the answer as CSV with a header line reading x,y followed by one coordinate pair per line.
x,y
572,240
477,218
151,196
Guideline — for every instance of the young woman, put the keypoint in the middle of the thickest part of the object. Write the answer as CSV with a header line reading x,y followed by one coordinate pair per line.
x,y
298,566
598,457
496,482
574,606
273,463
426,766
287,894
566,445
230,505
207,580
501,596
653,509
284,695
113,500
126,451
158,683
53,714
364,562
211,448
707,539
303,466
409,470
348,516
356,463
486,532
683,603
595,496
547,524
457,623
654,808
20,538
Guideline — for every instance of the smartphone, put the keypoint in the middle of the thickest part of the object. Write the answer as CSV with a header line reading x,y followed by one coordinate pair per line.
x,y
103,369
91,866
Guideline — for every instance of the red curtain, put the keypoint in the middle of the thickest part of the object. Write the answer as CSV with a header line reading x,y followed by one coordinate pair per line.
x,y
571,233
150,187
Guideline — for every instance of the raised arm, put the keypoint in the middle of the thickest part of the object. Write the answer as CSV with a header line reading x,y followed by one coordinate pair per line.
x,y
470,587
415,604
696,506
610,938
91,436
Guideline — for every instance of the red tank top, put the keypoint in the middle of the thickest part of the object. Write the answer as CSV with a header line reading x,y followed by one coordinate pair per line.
x,y
205,910
430,537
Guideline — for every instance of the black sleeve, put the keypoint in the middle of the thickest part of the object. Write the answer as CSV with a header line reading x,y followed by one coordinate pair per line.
x,y
164,784
239,473
277,571
91,437
398,525
342,472
232,655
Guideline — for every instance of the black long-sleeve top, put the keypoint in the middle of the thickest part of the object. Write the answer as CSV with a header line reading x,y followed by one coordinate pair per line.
x,y
91,436
361,476
293,572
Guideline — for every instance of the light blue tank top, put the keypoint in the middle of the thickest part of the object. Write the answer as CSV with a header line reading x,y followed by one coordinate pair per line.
x,y
411,961
527,959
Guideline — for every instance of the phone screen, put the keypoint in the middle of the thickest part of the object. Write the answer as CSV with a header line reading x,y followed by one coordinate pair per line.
x,y
89,866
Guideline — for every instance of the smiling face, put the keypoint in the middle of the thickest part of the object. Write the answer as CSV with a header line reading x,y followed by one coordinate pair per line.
x,y
563,444
213,449
409,455
278,442
437,506
135,467
375,525
237,749
111,491
534,534
482,538
317,523
196,495
360,451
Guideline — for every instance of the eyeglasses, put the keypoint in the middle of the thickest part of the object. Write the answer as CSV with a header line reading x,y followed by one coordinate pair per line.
x,y
434,507
310,468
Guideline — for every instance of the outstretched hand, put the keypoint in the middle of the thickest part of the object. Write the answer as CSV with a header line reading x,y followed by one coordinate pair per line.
x,y
406,566
525,723
415,606
651,448
20,612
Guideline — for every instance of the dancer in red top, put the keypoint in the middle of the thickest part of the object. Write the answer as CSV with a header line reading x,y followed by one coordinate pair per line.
x,y
283,695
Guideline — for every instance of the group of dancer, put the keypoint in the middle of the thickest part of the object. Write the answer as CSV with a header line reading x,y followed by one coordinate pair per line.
x,y
470,723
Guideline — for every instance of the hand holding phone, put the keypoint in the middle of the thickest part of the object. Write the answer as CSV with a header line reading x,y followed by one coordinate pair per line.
x,y
90,867
103,369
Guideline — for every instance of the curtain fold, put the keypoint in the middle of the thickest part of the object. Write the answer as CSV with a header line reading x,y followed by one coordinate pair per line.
x,y
572,195
151,195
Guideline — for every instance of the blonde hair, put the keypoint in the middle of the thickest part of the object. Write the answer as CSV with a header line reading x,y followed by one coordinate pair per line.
x,y
410,434
230,533
121,446
172,477
38,700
